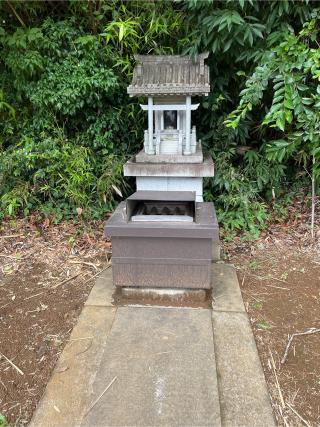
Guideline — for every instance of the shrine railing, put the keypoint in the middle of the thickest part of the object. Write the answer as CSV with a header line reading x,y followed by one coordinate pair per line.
x,y
169,141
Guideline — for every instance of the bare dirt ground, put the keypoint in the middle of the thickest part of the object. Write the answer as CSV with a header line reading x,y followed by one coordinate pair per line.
x,y
46,274
47,271
279,277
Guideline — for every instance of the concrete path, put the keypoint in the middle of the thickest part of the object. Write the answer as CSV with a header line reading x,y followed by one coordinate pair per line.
x,y
165,367
151,366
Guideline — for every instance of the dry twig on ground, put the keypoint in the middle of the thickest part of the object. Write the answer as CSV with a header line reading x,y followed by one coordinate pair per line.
x,y
297,334
298,415
65,281
12,364
97,274
98,398
90,264
276,379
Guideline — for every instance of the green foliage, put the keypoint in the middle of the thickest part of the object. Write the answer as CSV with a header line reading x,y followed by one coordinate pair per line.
x,y
239,206
58,172
243,38
67,124
293,69
57,157
66,76
5,107
3,421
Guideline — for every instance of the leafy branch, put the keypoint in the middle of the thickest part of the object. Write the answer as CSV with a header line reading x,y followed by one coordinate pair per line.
x,y
293,69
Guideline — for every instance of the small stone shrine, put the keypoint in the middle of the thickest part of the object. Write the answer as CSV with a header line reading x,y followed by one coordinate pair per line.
x,y
164,235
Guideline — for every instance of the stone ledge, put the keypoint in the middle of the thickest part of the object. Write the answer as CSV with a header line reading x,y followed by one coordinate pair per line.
x,y
67,394
196,170
101,294
244,398
226,291
142,157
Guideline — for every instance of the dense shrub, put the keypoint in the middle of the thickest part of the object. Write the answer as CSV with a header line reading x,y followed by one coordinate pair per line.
x,y
67,125
240,36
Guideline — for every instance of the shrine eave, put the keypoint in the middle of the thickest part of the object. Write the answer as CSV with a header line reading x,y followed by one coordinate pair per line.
x,y
168,90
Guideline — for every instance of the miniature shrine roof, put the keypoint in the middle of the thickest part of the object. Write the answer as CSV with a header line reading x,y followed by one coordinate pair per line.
x,y
170,75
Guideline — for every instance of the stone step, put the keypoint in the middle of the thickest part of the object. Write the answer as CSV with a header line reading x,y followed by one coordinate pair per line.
x,y
244,397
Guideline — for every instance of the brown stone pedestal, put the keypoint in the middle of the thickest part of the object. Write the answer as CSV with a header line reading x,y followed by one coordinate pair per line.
x,y
163,254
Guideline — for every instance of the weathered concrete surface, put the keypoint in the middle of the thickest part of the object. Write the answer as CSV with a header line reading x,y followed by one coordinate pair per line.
x,y
165,183
143,157
243,393
165,367
244,398
226,291
103,290
158,293
169,364
216,251
67,394
132,168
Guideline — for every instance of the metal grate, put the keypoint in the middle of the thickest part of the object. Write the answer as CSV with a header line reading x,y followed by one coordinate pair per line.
x,y
163,211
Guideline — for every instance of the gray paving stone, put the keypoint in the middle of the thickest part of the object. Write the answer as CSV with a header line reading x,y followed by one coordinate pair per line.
x,y
243,393
103,290
164,362
226,291
165,367
68,391
216,251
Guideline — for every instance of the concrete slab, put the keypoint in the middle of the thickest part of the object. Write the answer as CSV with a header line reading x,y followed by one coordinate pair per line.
x,y
179,184
226,291
103,290
68,391
243,393
216,251
171,367
133,168
143,157
165,367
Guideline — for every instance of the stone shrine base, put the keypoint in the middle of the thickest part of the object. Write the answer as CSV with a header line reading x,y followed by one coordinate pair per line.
x,y
174,295
159,366
192,170
169,176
